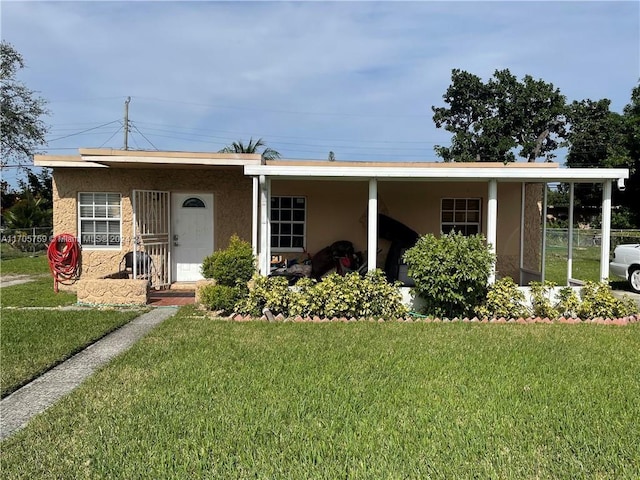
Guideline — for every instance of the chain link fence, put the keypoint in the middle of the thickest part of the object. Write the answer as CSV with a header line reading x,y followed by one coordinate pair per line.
x,y
24,241
559,237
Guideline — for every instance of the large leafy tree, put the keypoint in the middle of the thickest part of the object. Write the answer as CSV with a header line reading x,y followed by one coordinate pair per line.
x,y
599,137
23,131
252,147
495,120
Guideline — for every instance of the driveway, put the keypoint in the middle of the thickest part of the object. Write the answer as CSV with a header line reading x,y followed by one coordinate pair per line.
x,y
634,296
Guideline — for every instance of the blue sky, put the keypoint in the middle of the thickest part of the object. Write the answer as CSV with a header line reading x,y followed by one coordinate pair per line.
x,y
357,78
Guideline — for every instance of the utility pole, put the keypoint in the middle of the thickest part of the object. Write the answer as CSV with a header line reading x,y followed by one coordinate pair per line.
x,y
126,123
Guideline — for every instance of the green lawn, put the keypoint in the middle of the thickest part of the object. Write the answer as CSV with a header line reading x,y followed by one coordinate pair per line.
x,y
586,264
22,264
199,398
38,293
33,341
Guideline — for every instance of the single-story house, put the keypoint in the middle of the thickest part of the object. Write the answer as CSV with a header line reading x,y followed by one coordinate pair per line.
x,y
178,207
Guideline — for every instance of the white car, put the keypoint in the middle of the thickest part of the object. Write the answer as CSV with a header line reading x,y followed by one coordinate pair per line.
x,y
626,264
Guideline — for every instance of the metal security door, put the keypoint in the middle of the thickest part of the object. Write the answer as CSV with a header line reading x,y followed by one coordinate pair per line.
x,y
151,221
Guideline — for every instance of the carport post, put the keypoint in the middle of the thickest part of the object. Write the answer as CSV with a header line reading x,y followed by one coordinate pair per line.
x,y
492,224
254,216
543,260
606,231
570,234
372,225
265,254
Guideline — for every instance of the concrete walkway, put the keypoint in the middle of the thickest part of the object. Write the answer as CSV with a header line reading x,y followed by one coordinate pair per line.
x,y
11,280
19,407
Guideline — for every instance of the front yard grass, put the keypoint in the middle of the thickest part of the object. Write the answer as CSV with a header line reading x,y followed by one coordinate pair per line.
x,y
586,264
37,293
200,398
33,341
23,263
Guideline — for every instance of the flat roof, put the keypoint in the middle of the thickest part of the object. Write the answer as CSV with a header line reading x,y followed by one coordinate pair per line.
x,y
105,157
513,172
335,170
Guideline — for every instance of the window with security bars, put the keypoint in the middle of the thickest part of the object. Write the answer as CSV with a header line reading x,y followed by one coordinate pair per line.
x,y
288,218
460,215
99,219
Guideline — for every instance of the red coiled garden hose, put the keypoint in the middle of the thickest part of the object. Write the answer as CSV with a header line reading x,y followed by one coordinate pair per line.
x,y
63,254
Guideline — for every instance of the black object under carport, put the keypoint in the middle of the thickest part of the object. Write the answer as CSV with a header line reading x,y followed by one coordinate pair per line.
x,y
401,238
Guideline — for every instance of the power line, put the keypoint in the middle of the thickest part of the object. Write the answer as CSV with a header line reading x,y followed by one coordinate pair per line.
x,y
143,136
84,100
113,135
83,131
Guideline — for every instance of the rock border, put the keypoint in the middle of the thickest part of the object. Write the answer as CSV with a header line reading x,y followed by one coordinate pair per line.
x,y
269,317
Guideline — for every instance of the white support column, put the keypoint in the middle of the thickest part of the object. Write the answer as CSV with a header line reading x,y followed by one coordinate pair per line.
x,y
543,260
523,194
492,224
254,215
264,231
268,235
372,225
570,237
606,231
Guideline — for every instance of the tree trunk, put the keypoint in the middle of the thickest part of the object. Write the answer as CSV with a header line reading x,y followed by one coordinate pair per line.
x,y
536,151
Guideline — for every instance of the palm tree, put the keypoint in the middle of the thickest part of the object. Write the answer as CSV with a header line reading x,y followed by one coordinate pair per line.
x,y
251,147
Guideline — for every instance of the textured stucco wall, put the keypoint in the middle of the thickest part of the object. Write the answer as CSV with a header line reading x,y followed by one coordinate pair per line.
x,y
110,291
232,203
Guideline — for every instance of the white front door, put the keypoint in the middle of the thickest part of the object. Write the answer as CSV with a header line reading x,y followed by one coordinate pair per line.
x,y
192,234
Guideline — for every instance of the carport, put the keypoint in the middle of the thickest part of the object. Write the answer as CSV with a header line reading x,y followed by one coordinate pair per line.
x,y
492,175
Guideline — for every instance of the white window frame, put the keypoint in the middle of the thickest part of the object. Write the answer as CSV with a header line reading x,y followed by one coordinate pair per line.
x,y
107,218
447,226
279,222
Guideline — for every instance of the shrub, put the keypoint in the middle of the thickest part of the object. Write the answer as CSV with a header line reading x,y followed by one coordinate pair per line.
x,y
231,266
598,301
355,296
265,292
568,302
335,296
450,272
221,298
381,298
302,298
504,299
542,294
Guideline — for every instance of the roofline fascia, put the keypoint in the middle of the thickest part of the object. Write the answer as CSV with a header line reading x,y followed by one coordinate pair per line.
x,y
584,175
223,162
